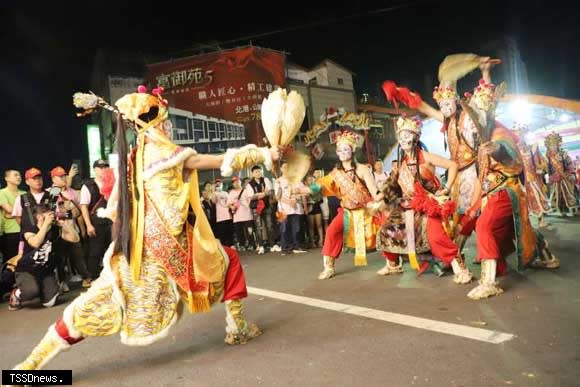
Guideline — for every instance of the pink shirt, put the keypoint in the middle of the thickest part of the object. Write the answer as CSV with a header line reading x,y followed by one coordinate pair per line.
x,y
380,178
221,206
284,188
243,214
17,209
86,194
72,195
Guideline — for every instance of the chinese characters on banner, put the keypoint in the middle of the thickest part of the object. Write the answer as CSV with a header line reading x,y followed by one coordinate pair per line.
x,y
229,84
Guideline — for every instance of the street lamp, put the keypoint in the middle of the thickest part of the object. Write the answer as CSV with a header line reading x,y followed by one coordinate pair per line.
x,y
521,111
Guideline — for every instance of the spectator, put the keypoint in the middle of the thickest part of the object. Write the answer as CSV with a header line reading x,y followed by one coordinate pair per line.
x,y
35,270
208,205
29,200
224,226
67,251
318,173
291,211
261,189
239,203
394,168
98,229
10,227
314,213
379,174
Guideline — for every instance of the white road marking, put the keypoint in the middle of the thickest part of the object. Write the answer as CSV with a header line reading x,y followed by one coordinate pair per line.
x,y
472,333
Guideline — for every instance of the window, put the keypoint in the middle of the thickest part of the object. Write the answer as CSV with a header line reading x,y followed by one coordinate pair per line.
x,y
229,133
340,81
212,130
222,133
198,130
181,122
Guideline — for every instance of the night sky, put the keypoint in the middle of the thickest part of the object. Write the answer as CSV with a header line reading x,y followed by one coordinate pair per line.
x,y
48,51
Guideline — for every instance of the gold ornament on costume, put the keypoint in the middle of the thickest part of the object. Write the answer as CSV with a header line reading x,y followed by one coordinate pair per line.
x,y
413,125
348,138
133,105
441,93
553,139
483,96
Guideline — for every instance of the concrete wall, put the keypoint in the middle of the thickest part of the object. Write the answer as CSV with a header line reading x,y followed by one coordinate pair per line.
x,y
335,72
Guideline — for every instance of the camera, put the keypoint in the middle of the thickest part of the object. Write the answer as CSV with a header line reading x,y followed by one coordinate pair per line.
x,y
55,205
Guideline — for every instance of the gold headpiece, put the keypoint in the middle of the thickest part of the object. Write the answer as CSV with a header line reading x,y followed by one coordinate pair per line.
x,y
133,105
347,137
553,139
444,92
412,124
483,96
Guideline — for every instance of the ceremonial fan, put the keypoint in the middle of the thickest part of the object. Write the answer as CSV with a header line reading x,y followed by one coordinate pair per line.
x,y
282,117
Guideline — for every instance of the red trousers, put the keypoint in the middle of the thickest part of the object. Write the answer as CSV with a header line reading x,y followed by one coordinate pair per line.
x,y
442,247
235,281
334,236
495,230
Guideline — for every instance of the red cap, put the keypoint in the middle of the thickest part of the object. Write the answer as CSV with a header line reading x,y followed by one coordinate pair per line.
x,y
58,171
32,173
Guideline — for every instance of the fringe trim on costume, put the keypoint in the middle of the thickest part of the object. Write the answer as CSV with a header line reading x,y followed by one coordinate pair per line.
x,y
226,167
198,302
360,260
180,156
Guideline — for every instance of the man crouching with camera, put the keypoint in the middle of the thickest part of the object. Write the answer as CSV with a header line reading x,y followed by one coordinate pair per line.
x,y
35,271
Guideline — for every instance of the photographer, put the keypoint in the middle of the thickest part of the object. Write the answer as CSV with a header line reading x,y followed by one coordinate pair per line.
x,y
68,208
35,275
98,229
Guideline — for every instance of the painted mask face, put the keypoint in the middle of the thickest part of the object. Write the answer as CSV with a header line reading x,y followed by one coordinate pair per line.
x,y
407,140
166,127
344,152
219,187
553,148
448,106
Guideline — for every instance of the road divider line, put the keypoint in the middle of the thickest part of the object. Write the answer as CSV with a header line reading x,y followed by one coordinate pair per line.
x,y
472,333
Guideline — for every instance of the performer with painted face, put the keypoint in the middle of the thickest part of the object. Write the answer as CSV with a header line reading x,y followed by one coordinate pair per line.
x,y
462,137
419,222
158,262
353,184
538,203
504,209
560,171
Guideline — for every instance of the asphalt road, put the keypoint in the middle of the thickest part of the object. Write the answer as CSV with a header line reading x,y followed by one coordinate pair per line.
x,y
308,345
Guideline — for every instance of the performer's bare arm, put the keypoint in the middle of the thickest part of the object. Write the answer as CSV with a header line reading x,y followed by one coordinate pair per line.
x,y
442,162
430,111
365,173
203,161
485,67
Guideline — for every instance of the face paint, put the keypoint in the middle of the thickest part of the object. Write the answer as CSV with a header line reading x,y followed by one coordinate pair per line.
x,y
448,107
407,140
344,152
167,126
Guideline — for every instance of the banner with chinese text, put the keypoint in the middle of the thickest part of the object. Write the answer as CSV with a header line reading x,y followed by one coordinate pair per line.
x,y
229,85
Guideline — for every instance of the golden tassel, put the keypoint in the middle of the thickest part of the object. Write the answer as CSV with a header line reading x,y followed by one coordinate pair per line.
x,y
413,260
360,260
198,302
